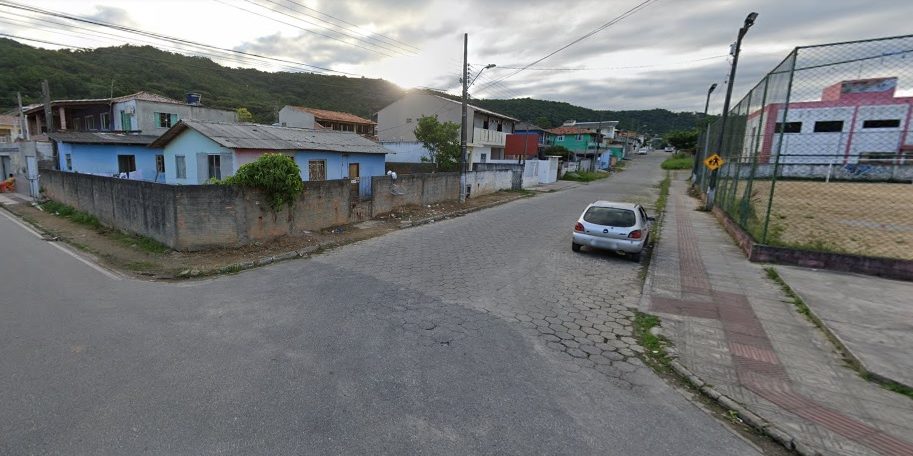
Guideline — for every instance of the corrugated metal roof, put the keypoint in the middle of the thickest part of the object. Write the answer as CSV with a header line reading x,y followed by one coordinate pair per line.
x,y
101,137
147,96
337,116
267,137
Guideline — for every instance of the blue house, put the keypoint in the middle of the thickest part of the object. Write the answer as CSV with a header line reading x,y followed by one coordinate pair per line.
x,y
110,154
196,151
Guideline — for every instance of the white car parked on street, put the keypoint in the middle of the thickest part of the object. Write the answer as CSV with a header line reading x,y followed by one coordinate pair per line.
x,y
619,227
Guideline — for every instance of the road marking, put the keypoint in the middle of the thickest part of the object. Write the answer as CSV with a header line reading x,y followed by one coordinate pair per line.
x,y
64,249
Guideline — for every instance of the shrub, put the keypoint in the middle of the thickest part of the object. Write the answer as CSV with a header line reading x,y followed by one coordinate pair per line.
x,y
276,174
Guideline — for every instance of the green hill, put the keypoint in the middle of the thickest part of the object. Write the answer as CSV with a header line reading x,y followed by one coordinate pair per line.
x,y
122,70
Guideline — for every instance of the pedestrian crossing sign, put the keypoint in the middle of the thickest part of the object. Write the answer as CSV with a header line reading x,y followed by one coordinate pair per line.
x,y
714,162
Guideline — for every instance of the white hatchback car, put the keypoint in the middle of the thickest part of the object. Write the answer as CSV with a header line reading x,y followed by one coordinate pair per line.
x,y
642,151
619,227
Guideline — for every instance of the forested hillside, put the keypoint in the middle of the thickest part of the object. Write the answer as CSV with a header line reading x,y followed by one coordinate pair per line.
x,y
127,69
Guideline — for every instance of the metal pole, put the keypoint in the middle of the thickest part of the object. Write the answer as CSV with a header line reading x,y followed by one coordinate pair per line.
x,y
719,144
23,124
464,128
773,177
698,157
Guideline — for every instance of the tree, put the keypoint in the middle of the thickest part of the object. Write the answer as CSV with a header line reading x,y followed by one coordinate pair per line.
x,y
244,115
682,139
276,174
543,122
442,139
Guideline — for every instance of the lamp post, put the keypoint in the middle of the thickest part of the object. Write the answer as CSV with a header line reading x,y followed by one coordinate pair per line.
x,y
464,129
698,157
749,21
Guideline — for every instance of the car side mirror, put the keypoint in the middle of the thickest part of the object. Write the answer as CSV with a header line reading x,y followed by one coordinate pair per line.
x,y
651,219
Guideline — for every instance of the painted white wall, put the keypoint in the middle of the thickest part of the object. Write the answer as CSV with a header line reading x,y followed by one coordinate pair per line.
x,y
291,117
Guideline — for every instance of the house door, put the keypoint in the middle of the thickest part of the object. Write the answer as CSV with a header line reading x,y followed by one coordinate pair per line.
x,y
5,168
31,168
354,177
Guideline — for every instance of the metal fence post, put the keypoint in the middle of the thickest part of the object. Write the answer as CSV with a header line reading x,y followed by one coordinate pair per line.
x,y
773,177
745,207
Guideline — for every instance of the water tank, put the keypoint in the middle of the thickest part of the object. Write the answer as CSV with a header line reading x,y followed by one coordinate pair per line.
x,y
194,98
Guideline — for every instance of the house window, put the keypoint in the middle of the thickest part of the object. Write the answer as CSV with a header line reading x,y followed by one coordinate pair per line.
x,y
180,166
166,120
789,127
408,120
828,126
881,123
126,121
90,123
159,163
105,121
484,158
317,170
69,162
215,166
485,124
126,163
559,138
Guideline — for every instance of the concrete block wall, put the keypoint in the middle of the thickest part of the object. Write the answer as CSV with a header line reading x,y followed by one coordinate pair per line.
x,y
196,217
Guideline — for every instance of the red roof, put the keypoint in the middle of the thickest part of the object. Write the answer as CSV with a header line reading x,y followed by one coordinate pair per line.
x,y
335,116
569,131
147,96
9,120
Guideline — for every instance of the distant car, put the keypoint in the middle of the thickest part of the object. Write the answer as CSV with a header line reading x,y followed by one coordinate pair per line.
x,y
642,151
619,227
670,149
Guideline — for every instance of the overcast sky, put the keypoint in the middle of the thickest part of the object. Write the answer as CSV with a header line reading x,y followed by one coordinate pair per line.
x,y
663,56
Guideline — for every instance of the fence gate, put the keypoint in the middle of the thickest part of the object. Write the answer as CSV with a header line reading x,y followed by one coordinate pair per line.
x,y
31,164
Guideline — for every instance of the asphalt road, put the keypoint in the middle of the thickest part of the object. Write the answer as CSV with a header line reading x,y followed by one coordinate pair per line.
x,y
483,334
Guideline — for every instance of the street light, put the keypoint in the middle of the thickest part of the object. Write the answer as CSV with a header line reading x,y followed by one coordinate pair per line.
x,y
490,65
698,157
749,21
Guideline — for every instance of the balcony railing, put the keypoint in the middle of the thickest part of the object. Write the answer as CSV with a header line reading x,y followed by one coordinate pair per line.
x,y
489,137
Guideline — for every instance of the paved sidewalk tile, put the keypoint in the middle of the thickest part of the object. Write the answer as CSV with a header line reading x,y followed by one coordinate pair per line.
x,y
735,329
872,317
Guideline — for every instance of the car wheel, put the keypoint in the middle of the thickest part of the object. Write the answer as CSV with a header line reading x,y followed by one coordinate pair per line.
x,y
575,246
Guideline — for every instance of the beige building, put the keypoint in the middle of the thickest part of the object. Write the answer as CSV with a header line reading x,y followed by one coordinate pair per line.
x,y
487,135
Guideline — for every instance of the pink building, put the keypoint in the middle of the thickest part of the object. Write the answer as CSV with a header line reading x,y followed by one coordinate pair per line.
x,y
855,121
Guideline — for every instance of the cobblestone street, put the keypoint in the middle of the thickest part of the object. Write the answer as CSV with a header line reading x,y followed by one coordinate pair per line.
x,y
483,334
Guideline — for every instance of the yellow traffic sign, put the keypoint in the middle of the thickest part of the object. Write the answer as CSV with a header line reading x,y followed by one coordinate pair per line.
x,y
714,162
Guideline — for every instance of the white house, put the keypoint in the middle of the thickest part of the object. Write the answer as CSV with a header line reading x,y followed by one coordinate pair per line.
x,y
396,124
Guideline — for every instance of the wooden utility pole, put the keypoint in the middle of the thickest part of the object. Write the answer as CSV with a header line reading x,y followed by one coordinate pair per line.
x,y
465,122
46,99
23,124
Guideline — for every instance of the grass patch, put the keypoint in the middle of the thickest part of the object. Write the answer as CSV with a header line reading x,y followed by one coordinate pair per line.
x,y
803,309
132,240
584,176
71,214
654,346
678,161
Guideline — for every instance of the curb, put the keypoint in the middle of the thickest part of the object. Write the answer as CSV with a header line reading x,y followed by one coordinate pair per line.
x,y
760,424
851,358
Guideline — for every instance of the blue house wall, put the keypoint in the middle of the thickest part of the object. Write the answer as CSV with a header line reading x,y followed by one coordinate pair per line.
x,y
188,144
101,159
337,166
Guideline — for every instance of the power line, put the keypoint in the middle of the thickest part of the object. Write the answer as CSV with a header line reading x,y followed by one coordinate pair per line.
x,y
348,23
160,36
602,27
615,68
296,26
358,36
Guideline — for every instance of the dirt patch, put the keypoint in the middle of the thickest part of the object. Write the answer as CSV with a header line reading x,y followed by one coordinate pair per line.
x,y
133,255
870,219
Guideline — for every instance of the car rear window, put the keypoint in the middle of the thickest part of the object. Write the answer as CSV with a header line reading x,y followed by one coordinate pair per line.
x,y
610,216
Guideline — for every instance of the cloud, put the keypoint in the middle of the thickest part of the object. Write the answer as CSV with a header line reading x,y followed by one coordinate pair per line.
x,y
113,15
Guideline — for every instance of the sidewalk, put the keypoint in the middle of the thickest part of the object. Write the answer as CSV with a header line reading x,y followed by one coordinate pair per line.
x,y
872,317
737,331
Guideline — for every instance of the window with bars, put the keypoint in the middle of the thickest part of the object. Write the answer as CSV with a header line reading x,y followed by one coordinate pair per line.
x,y
317,170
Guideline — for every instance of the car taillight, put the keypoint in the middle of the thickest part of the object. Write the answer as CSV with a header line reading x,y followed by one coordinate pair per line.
x,y
636,234
578,227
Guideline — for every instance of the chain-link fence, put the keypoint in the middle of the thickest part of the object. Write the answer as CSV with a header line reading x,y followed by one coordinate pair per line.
x,y
819,154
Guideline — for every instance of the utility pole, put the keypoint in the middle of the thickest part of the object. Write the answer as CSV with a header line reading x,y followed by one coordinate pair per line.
x,y
749,21
46,99
23,125
464,129
699,157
